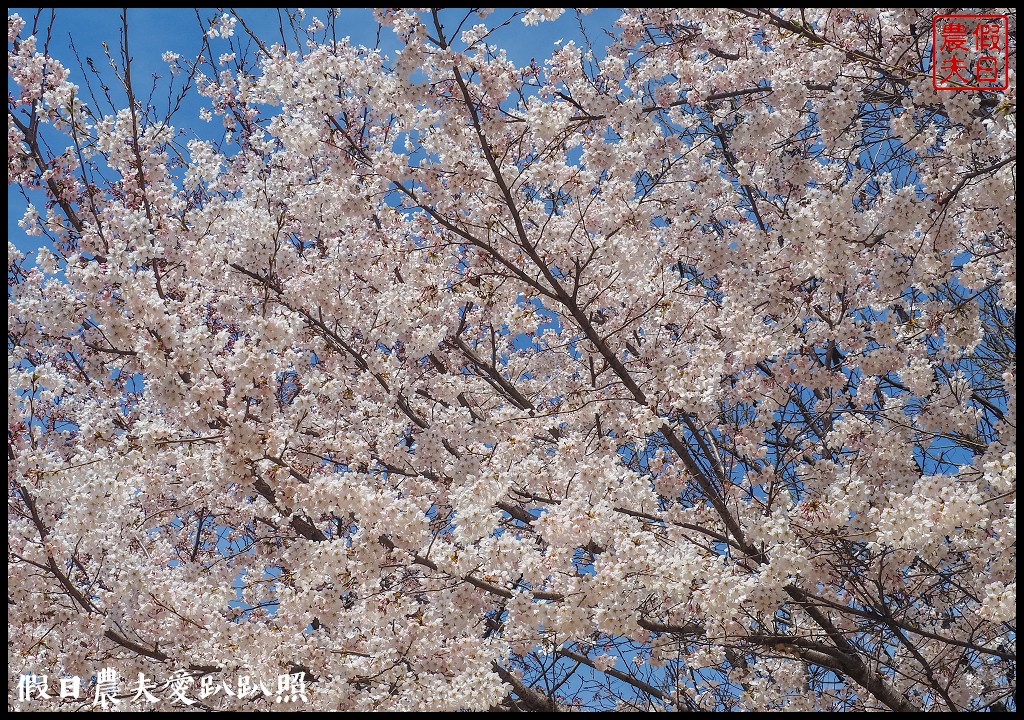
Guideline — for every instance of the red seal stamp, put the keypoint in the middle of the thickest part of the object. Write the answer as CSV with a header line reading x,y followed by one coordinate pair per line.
x,y
969,52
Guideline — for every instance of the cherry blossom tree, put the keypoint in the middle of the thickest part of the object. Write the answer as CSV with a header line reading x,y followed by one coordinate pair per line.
x,y
673,371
